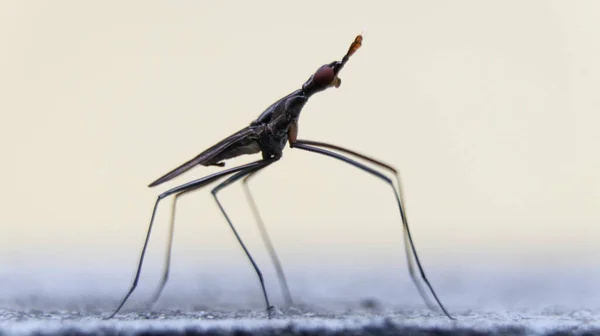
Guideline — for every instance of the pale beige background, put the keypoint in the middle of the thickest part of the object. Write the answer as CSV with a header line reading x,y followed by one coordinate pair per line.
x,y
489,108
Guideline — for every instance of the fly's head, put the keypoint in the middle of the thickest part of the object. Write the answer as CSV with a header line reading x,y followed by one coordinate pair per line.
x,y
327,75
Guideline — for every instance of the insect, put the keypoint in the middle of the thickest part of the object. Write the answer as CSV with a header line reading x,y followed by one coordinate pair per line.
x,y
268,135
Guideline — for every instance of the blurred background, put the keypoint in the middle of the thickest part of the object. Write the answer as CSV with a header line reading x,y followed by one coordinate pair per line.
x,y
489,110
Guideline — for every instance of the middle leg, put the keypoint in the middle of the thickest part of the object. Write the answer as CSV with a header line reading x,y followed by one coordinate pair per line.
x,y
267,241
214,192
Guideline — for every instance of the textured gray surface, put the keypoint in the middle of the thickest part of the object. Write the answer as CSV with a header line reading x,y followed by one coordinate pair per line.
x,y
335,303
87,320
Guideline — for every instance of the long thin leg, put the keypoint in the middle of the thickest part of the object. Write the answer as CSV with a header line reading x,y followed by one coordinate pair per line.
x,y
182,188
373,172
167,266
267,241
407,241
214,192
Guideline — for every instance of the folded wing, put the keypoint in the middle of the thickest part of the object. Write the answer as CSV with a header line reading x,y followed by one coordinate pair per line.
x,y
242,142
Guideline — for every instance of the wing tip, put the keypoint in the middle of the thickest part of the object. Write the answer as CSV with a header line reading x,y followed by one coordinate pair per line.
x,y
176,172
160,181
153,184
172,174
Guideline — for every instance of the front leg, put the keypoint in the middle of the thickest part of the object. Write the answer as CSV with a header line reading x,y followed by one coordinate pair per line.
x,y
411,252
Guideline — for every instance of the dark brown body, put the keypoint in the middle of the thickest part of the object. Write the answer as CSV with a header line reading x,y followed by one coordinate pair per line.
x,y
268,134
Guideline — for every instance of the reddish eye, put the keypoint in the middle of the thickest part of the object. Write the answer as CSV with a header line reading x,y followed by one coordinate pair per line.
x,y
324,76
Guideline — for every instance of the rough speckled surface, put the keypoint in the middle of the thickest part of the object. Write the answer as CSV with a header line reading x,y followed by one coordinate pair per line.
x,y
296,321
499,302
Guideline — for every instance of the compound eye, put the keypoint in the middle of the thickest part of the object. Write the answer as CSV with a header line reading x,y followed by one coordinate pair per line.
x,y
324,76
